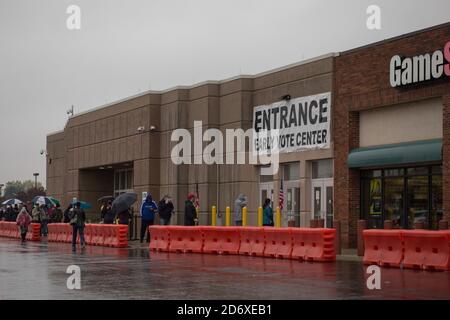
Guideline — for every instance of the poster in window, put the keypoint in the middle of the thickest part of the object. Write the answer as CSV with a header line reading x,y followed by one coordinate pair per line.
x,y
375,197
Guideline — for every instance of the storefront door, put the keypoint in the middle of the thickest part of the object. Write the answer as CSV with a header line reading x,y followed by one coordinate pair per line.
x,y
292,209
322,200
266,192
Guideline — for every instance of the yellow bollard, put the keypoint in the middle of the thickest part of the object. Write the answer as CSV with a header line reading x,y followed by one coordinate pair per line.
x,y
214,216
278,218
260,217
228,217
244,216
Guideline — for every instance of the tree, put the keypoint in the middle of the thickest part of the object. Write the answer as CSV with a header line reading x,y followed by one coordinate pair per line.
x,y
28,196
14,188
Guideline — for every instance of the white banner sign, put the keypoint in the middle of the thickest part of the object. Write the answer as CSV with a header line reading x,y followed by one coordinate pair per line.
x,y
300,124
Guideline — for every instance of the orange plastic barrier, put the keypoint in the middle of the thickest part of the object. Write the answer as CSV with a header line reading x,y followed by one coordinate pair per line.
x,y
427,249
383,247
252,241
10,229
159,238
185,239
88,234
99,232
278,242
52,236
110,235
313,244
119,236
221,240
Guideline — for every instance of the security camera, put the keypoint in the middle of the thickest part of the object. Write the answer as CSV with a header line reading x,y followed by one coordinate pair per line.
x,y
286,97
152,128
140,129
42,152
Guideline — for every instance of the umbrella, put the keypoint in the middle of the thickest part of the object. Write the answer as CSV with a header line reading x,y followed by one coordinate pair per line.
x,y
12,202
106,199
42,200
124,202
83,205
55,201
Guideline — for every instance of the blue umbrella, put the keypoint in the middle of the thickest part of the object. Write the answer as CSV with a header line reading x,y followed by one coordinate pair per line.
x,y
83,205
11,202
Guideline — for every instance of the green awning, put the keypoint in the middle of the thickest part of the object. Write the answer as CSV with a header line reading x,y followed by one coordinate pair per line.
x,y
396,154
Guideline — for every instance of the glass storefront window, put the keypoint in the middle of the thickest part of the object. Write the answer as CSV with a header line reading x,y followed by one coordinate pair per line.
x,y
322,169
417,171
393,204
393,172
292,171
406,196
417,200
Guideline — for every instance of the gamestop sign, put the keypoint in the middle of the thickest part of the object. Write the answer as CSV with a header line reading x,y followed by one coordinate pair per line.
x,y
405,71
294,125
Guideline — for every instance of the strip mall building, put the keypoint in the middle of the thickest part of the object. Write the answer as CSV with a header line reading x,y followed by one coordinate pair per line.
x,y
369,133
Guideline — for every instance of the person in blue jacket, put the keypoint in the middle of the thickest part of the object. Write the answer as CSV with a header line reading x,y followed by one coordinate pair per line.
x,y
148,211
267,214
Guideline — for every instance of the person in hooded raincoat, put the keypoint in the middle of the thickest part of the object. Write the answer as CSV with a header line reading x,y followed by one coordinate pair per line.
x,y
148,211
239,204
23,221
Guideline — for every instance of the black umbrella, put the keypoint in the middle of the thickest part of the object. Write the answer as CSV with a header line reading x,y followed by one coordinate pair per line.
x,y
106,199
124,202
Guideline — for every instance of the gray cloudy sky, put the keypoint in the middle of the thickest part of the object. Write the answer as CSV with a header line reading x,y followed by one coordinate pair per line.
x,y
126,47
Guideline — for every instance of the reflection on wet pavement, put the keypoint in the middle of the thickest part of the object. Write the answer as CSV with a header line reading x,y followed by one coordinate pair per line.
x,y
37,271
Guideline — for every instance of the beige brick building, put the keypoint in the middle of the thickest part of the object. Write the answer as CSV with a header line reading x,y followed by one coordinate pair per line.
x,y
127,146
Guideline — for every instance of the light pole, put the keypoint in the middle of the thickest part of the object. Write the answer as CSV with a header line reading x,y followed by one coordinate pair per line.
x,y
35,179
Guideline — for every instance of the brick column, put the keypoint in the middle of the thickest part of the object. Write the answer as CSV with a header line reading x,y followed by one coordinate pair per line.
x,y
346,181
446,157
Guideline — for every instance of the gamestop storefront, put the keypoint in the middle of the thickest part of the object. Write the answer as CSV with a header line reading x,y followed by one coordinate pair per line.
x,y
392,133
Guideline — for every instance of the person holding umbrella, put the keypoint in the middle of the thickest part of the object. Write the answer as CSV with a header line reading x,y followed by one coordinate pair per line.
x,y
44,218
148,211
77,221
121,206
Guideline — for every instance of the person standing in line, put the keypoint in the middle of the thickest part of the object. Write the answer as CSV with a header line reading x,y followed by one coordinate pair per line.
x,y
77,221
190,213
44,218
23,221
267,214
148,211
165,209
108,217
35,214
239,204
15,213
57,214
66,218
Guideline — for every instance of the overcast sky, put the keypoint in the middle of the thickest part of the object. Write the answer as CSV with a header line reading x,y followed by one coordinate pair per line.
x,y
126,47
